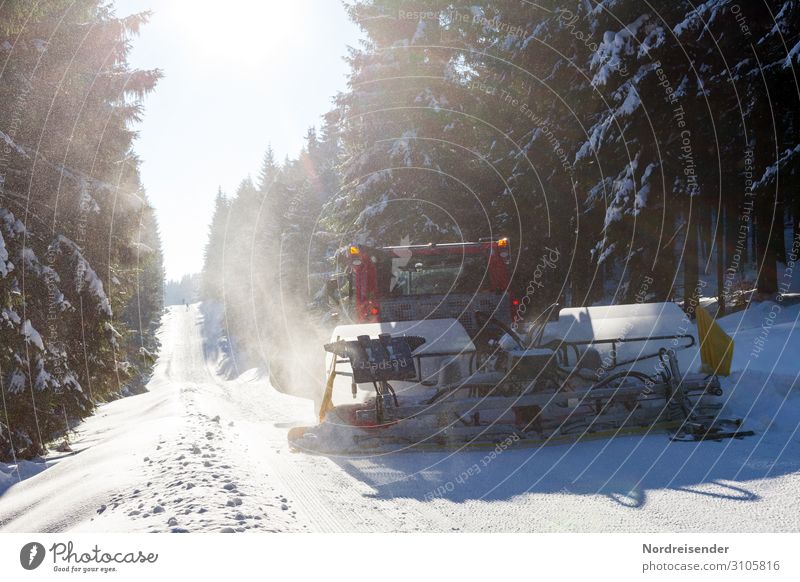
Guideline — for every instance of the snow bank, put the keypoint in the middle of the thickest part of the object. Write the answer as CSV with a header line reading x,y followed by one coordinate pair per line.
x,y
763,386
11,474
216,343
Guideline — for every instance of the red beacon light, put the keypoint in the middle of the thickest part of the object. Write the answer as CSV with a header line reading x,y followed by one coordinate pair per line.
x,y
502,246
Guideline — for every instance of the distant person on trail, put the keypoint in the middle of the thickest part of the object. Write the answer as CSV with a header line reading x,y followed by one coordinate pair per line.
x,y
186,304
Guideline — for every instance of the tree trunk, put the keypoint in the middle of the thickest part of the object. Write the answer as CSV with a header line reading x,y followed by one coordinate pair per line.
x,y
690,269
767,252
720,248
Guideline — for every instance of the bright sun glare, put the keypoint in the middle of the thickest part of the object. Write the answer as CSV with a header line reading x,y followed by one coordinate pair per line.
x,y
246,32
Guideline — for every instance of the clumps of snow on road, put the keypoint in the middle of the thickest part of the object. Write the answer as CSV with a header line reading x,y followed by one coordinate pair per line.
x,y
164,461
192,487
335,436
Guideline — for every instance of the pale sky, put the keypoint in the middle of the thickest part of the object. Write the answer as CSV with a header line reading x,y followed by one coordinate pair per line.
x,y
238,75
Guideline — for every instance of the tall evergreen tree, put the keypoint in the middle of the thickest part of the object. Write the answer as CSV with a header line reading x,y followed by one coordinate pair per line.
x,y
79,241
268,172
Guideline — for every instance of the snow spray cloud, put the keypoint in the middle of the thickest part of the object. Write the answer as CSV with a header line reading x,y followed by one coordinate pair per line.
x,y
262,287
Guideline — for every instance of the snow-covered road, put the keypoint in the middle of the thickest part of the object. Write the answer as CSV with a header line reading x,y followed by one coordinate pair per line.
x,y
200,453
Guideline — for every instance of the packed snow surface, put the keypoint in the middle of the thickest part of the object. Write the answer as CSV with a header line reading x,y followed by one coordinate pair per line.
x,y
201,453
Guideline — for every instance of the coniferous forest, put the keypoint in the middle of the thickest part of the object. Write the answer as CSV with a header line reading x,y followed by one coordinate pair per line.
x,y
399,266
80,257
652,148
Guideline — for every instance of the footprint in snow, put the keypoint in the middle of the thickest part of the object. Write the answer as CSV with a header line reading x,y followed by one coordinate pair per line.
x,y
172,521
227,530
229,486
158,509
101,509
234,502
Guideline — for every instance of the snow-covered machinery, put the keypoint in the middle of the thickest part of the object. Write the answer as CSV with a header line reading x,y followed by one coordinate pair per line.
x,y
467,281
423,282
592,372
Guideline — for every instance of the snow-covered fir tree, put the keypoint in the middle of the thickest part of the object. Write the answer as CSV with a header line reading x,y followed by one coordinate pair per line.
x,y
80,259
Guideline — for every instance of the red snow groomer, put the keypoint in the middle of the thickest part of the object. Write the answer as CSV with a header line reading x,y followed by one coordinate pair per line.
x,y
411,348
467,281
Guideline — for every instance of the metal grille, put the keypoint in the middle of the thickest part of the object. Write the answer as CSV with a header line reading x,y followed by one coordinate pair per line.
x,y
458,306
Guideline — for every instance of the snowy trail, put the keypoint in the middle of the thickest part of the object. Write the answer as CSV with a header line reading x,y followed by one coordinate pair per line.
x,y
197,453
200,453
